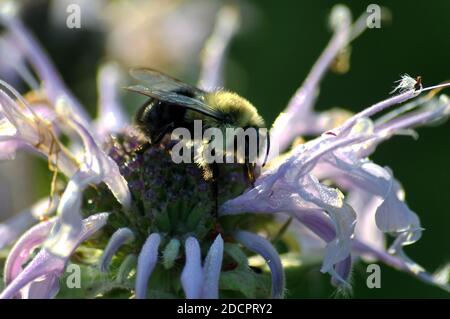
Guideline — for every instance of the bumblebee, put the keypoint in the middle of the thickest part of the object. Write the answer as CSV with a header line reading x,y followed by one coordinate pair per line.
x,y
174,104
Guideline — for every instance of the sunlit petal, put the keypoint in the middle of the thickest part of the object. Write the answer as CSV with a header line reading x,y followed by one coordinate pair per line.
x,y
263,247
211,270
146,264
192,275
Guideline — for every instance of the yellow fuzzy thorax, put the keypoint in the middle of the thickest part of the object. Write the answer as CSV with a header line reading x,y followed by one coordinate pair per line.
x,y
241,111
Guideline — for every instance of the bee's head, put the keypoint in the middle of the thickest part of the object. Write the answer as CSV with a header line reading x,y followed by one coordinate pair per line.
x,y
242,117
240,113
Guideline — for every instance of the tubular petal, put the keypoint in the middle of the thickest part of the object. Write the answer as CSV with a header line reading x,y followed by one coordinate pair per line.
x,y
97,161
211,74
341,273
119,238
64,236
146,264
15,226
43,288
22,249
365,206
27,127
399,263
192,275
264,248
40,61
319,223
299,109
211,270
110,118
44,264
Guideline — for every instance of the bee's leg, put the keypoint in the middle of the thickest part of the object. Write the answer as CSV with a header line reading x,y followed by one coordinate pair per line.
x,y
250,170
215,187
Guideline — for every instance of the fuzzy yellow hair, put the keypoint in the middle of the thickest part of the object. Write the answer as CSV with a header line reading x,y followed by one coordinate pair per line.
x,y
240,110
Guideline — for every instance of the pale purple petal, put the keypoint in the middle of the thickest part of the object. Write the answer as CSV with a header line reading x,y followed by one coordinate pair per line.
x,y
118,239
299,196
350,173
324,228
436,110
433,111
397,112
291,190
399,263
146,264
22,249
8,149
44,264
344,220
419,112
394,216
365,206
264,248
64,236
16,225
279,188
21,124
90,225
95,168
303,99
211,270
46,287
298,115
16,120
111,117
53,83
408,237
311,245
342,215
319,223
116,182
98,163
211,74
376,108
341,273
192,275
12,59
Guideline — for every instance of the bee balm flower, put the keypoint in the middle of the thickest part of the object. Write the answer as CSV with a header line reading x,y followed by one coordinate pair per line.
x,y
151,222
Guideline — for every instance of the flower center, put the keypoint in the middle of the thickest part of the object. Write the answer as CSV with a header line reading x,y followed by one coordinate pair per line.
x,y
170,198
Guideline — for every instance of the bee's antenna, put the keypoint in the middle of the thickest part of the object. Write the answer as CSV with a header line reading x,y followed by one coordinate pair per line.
x,y
267,149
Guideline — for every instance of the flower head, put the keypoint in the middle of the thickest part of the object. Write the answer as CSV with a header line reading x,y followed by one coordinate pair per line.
x,y
147,215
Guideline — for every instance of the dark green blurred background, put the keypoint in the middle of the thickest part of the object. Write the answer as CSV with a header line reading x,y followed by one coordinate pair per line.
x,y
270,59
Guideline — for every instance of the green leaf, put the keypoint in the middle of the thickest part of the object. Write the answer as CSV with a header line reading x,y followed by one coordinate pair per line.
x,y
236,253
242,281
239,280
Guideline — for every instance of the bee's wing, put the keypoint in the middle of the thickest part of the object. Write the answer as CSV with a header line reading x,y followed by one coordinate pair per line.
x,y
178,99
156,80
